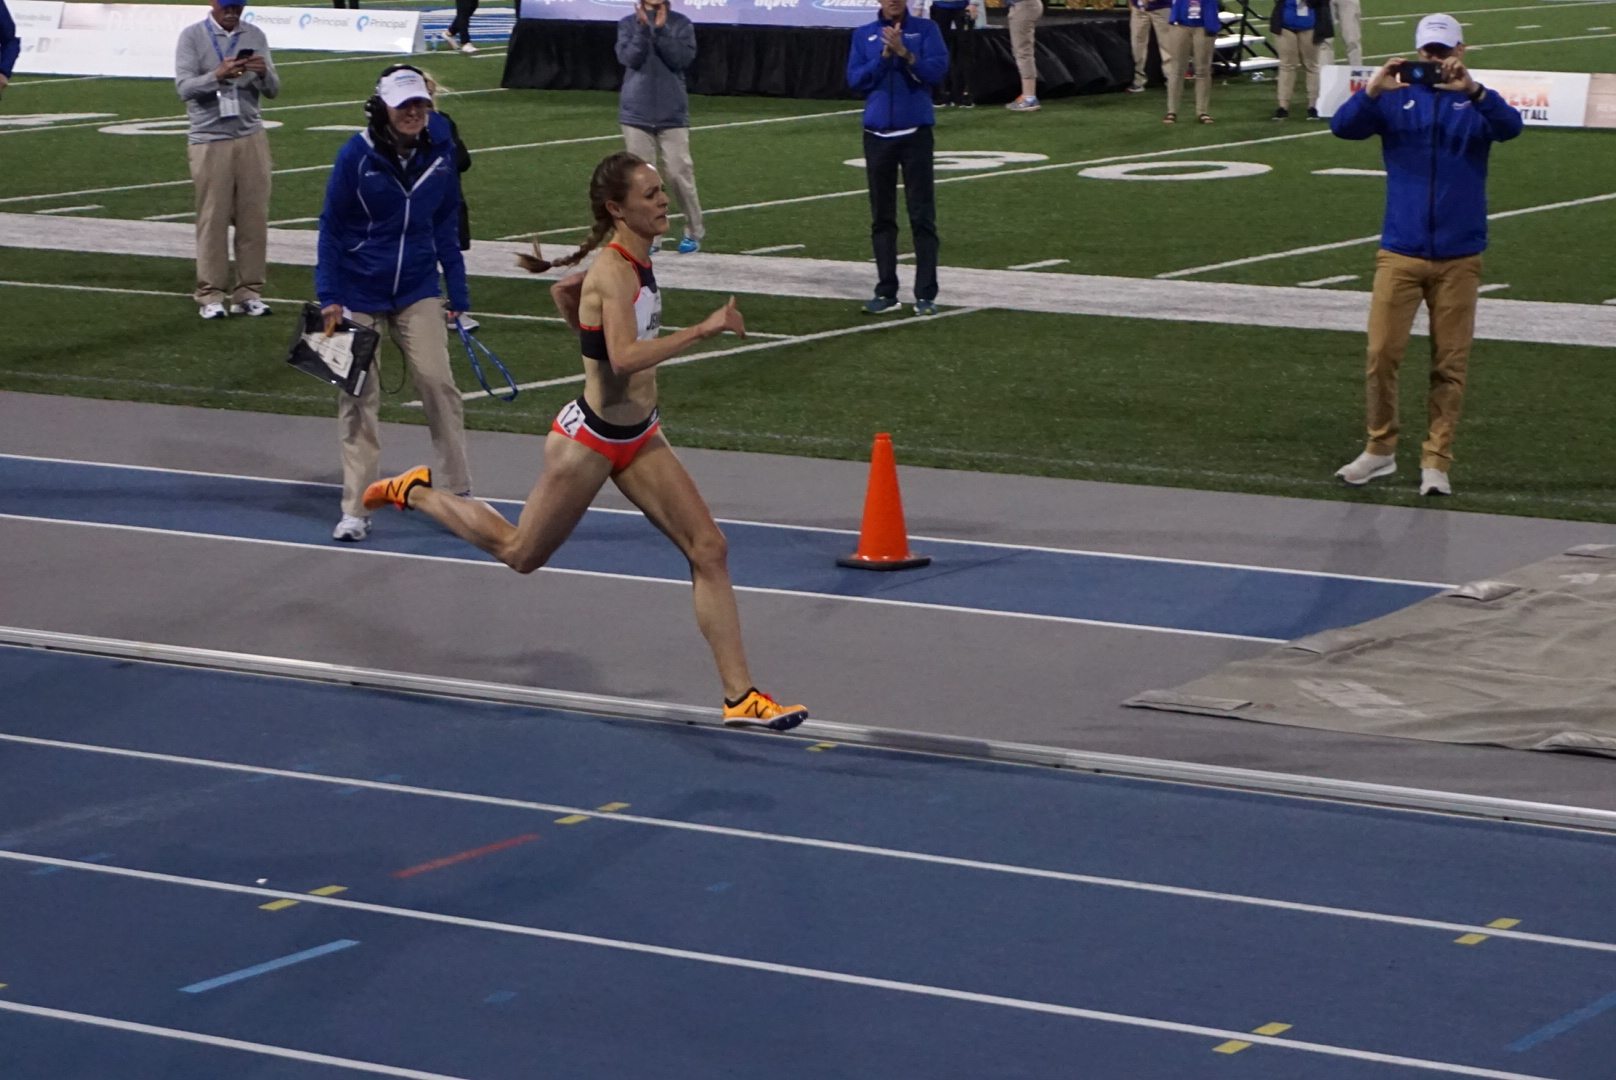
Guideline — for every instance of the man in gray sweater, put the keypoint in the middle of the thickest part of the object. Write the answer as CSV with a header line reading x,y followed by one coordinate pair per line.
x,y
221,69
656,47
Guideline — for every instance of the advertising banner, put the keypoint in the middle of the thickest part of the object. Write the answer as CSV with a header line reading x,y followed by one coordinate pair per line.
x,y
137,40
845,13
1544,98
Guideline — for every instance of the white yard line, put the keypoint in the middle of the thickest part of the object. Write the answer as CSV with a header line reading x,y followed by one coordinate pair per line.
x,y
775,249
1392,20
1039,265
1495,287
181,216
1492,45
276,224
989,174
737,350
1336,280
71,209
1375,239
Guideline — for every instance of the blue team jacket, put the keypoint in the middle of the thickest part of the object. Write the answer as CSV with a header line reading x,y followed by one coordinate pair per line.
x,y
384,231
1207,18
897,95
1435,145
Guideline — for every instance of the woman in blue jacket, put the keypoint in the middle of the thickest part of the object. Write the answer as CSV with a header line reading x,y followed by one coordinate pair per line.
x,y
390,221
1193,26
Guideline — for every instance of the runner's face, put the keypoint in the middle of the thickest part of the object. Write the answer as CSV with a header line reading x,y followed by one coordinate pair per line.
x,y
892,9
645,210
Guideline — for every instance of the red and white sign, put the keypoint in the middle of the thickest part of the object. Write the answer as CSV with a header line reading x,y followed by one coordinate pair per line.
x,y
1544,98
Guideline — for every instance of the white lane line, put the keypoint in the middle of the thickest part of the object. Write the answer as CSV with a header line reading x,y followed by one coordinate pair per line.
x,y
1375,239
774,248
790,840
70,209
325,546
1349,172
263,1049
1336,280
1039,265
566,380
825,530
1530,26
816,974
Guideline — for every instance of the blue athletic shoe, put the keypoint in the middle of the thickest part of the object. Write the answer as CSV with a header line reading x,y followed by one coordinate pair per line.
x,y
882,305
925,307
689,244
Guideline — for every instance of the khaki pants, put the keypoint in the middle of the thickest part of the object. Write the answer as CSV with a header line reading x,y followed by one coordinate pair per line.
x,y
1448,287
672,145
232,188
1022,21
422,336
1139,27
1295,48
1183,43
1348,16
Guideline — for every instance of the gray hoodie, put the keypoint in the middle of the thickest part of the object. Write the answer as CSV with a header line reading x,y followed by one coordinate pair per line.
x,y
655,60
195,57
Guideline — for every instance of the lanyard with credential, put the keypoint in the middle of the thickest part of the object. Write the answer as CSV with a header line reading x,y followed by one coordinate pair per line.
x,y
229,46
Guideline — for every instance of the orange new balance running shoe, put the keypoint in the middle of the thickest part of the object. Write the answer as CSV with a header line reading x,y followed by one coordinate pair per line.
x,y
756,707
396,489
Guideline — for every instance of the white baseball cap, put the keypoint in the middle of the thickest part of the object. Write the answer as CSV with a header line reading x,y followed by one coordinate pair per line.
x,y
397,87
1438,30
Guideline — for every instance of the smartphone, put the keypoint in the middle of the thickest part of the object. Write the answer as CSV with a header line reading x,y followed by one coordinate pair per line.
x,y
1420,72
244,54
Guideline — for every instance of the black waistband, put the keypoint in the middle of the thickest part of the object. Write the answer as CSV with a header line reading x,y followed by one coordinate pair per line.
x,y
607,430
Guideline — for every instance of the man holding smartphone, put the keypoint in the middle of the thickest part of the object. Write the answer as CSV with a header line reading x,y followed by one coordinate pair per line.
x,y
1436,126
221,69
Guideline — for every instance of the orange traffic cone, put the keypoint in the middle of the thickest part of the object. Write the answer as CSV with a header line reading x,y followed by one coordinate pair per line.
x,y
883,540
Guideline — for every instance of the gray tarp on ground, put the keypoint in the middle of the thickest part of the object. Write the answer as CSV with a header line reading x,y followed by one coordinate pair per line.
x,y
1526,660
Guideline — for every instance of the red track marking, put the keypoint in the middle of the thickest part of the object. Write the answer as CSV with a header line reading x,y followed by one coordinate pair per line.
x,y
460,857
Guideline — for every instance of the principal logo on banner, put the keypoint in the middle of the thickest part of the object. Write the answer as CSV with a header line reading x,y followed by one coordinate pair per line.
x,y
847,5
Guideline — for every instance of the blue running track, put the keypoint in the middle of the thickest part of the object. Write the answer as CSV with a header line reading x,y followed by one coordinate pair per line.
x,y
1107,589
454,889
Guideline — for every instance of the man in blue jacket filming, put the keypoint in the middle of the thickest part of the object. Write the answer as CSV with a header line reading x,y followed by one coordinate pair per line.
x,y
896,62
1436,126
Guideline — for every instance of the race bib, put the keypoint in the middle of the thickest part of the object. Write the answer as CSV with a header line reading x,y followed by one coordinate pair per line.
x,y
570,418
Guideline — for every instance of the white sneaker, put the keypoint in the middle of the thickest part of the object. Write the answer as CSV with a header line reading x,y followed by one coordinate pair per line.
x,y
251,306
1434,482
213,311
351,529
1366,467
468,48
449,38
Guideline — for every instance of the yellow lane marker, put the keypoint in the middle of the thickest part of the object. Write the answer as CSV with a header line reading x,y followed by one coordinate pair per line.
x,y
282,905
1477,939
1234,1046
578,819
817,747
